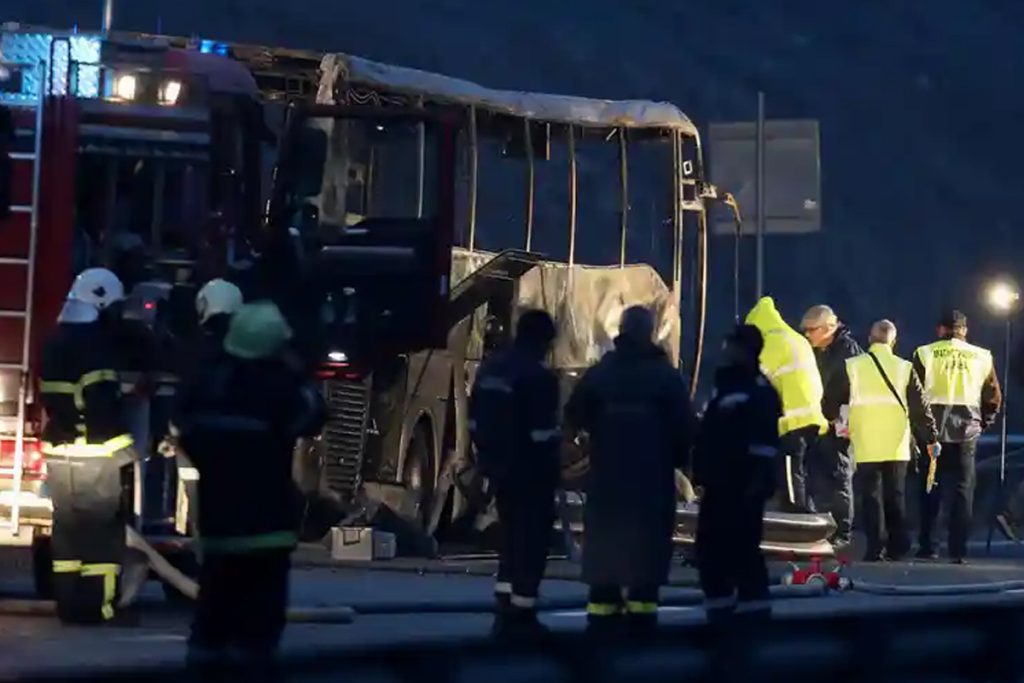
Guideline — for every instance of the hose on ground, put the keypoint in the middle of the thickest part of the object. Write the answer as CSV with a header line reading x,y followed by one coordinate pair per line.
x,y
936,589
190,589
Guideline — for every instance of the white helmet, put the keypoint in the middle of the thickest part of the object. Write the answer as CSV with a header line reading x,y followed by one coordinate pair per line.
x,y
217,297
92,291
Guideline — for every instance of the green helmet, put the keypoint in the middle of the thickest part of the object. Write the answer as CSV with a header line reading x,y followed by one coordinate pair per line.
x,y
258,330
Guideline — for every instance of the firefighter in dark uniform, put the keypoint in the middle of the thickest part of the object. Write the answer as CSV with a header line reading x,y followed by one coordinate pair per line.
x,y
238,422
634,408
735,463
86,443
513,411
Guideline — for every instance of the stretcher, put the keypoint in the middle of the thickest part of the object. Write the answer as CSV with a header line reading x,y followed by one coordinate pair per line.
x,y
785,535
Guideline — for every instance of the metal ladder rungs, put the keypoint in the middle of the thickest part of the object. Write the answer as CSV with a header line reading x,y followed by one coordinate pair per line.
x,y
12,314
13,261
21,208
22,156
12,366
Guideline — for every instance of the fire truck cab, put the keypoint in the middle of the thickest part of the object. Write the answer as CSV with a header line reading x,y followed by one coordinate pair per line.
x,y
126,152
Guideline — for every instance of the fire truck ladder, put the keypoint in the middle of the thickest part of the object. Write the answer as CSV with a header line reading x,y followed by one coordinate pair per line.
x,y
13,522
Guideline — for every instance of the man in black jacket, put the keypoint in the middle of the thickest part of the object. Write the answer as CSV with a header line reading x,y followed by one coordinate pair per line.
x,y
238,423
86,442
735,463
831,467
513,411
634,406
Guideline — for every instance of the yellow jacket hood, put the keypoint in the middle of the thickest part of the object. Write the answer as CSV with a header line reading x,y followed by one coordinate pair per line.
x,y
764,316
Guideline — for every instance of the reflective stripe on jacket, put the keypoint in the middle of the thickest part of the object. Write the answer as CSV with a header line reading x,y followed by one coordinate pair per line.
x,y
879,426
788,362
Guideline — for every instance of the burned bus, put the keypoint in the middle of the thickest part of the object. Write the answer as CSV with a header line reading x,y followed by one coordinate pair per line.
x,y
581,207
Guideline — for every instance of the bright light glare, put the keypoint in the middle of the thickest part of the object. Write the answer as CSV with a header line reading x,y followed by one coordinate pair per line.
x,y
337,357
170,91
1002,296
125,86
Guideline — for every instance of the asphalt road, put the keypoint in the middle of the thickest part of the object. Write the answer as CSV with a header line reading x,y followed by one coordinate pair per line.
x,y
40,644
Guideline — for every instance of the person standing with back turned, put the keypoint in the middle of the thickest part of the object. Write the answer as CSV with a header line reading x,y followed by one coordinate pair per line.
x,y
734,462
787,360
634,406
960,381
238,423
86,442
513,421
888,408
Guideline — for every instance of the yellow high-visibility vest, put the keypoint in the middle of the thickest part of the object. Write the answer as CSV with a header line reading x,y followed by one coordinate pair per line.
x,y
879,426
955,372
787,360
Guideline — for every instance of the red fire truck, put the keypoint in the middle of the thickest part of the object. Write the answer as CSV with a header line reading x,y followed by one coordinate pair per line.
x,y
135,152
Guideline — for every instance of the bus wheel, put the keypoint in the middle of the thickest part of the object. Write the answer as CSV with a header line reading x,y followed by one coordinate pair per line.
x,y
42,567
418,477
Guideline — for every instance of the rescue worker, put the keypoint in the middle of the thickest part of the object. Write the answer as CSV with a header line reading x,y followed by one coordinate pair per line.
x,y
86,442
831,467
635,411
513,410
888,414
787,360
962,388
735,463
216,302
238,423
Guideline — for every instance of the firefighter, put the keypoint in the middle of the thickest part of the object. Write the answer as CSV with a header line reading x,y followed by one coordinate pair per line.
x,y
735,463
831,467
216,302
513,414
960,381
888,409
634,409
86,442
238,422
787,360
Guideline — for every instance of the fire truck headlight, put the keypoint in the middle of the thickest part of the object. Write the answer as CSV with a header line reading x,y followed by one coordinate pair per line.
x,y
125,86
170,91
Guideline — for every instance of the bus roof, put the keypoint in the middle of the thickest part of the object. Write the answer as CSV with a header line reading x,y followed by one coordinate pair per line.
x,y
567,109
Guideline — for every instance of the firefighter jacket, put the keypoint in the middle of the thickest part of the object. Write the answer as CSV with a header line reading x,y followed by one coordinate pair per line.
x,y
738,440
960,381
634,406
238,423
882,430
513,419
787,360
81,392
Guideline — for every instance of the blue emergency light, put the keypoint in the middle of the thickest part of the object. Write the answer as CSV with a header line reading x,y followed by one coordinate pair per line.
x,y
213,47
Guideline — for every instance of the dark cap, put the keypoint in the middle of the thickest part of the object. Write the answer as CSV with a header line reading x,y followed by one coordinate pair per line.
x,y
953,319
748,338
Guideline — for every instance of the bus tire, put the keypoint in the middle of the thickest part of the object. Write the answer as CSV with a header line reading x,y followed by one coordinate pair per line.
x,y
418,476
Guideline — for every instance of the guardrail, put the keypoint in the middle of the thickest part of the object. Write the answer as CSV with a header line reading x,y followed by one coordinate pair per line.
x,y
971,643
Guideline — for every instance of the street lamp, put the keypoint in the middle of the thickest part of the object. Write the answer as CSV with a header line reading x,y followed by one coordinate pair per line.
x,y
1002,298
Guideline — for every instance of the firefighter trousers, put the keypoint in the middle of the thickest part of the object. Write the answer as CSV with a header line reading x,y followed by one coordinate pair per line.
x,y
526,513
88,540
636,607
242,607
733,574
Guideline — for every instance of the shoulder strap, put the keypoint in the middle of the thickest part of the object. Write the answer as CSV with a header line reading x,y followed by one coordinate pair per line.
x,y
888,382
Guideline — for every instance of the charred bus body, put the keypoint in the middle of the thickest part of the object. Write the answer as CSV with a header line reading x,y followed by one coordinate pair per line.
x,y
513,190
